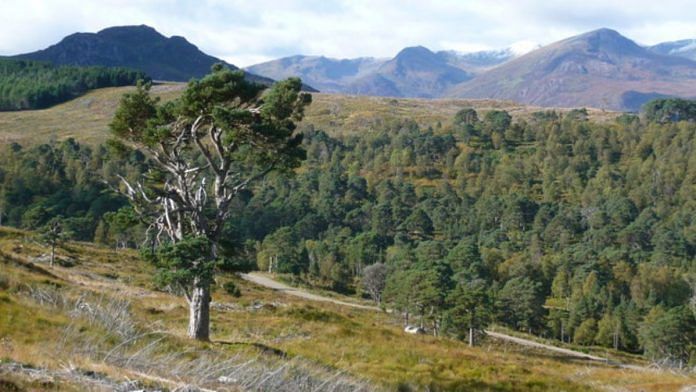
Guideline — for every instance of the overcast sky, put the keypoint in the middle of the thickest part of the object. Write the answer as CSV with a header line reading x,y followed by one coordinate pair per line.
x,y
248,32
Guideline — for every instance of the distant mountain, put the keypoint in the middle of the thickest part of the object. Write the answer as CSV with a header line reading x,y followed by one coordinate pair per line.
x,y
137,47
413,72
684,48
326,74
481,61
598,69
476,62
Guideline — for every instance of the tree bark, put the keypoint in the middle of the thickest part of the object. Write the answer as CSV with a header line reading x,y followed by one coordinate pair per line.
x,y
53,253
471,337
199,311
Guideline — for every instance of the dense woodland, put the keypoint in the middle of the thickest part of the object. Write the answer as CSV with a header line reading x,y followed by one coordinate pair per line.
x,y
569,229
36,85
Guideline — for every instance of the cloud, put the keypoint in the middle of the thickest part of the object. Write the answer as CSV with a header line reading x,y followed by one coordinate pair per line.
x,y
245,32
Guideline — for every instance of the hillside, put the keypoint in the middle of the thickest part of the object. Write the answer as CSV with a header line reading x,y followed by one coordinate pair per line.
x,y
599,69
136,47
86,118
105,319
36,85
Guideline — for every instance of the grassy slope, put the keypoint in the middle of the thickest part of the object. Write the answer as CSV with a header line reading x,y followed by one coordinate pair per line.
x,y
86,118
322,338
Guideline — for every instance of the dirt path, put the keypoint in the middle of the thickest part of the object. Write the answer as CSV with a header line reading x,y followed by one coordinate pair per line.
x,y
265,281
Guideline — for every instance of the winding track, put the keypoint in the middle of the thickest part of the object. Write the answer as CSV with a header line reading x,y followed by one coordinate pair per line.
x,y
265,281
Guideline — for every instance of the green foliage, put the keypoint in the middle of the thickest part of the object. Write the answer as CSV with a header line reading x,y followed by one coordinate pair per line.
x,y
670,110
179,264
36,85
280,252
520,303
585,333
63,179
669,335
470,308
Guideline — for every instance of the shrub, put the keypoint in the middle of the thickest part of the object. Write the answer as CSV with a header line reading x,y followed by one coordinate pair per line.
x,y
232,289
4,283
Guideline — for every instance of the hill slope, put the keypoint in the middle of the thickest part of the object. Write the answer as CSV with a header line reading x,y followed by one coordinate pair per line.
x,y
86,118
137,47
598,69
104,318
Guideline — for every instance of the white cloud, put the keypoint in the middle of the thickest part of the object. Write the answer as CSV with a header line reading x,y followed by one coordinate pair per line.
x,y
245,32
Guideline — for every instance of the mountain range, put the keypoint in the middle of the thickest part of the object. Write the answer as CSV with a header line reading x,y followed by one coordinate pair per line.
x,y
600,69
137,47
413,72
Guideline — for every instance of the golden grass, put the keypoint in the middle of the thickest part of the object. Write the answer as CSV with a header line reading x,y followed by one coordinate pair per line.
x,y
361,343
86,118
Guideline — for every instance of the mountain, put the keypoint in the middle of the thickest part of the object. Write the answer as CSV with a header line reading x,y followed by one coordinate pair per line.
x,y
326,74
599,69
476,62
684,48
137,47
413,72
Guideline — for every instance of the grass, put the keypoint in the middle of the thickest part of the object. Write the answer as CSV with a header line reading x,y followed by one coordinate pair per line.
x,y
268,328
86,118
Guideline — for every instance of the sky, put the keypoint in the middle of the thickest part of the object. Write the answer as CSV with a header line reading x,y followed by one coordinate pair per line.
x,y
248,32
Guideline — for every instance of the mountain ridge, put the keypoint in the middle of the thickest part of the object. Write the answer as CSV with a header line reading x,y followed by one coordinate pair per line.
x,y
682,48
384,76
139,47
600,68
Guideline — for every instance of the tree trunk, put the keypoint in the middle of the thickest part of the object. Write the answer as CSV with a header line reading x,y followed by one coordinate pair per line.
x,y
471,337
53,253
199,311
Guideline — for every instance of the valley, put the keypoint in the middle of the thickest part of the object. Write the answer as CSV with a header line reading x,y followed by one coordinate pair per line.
x,y
442,196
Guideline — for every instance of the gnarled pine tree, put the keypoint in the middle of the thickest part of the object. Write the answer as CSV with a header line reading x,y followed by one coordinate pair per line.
x,y
205,147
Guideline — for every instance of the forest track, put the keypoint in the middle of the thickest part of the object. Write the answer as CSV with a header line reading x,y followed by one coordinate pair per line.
x,y
265,281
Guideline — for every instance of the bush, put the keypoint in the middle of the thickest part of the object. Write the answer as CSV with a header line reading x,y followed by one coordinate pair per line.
x,y
232,289
4,283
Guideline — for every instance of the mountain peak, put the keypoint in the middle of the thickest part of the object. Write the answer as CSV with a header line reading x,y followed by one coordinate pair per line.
x,y
129,28
604,31
139,47
133,32
415,51
603,40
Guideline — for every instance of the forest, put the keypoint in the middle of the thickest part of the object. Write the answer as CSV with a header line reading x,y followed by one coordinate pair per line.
x,y
569,229
28,84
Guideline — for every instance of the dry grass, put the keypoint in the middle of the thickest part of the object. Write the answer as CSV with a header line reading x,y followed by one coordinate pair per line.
x,y
86,118
111,321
